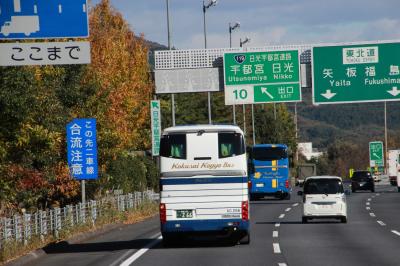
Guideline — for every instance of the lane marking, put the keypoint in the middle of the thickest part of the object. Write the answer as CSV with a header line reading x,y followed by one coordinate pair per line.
x,y
381,223
377,194
395,232
296,204
288,209
282,264
281,216
372,214
277,224
139,253
367,208
277,249
368,203
369,199
274,233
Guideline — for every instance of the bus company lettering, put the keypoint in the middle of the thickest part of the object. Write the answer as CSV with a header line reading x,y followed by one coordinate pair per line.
x,y
210,166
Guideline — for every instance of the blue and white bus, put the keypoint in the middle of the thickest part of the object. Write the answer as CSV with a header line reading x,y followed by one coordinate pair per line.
x,y
203,182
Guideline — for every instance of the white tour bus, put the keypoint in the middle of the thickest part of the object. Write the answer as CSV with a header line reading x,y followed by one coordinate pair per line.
x,y
203,182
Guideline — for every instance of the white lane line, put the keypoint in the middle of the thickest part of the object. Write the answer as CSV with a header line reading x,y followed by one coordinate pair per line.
x,y
282,264
274,233
377,194
367,208
368,203
369,199
381,223
395,232
288,209
277,224
139,253
281,216
276,247
296,204
372,214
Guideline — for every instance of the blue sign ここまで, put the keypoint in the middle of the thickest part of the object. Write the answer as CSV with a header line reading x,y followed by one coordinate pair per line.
x,y
36,19
82,148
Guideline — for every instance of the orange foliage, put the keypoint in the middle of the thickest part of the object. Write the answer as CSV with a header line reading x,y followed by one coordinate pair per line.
x,y
64,185
119,63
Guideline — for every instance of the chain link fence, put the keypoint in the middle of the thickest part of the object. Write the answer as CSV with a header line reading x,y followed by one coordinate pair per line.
x,y
22,228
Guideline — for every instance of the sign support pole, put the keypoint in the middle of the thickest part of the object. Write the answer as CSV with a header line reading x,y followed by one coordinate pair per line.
x,y
296,128
252,122
244,119
83,192
173,108
386,141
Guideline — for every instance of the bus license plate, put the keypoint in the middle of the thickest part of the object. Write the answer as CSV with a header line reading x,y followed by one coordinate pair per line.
x,y
260,185
184,214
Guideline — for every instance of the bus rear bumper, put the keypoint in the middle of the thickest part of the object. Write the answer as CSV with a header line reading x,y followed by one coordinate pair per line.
x,y
215,227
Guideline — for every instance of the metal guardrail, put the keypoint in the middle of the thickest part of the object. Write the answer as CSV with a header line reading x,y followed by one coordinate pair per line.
x,y
22,228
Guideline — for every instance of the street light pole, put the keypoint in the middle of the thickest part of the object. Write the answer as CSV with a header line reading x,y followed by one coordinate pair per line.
x,y
231,28
244,107
205,7
169,48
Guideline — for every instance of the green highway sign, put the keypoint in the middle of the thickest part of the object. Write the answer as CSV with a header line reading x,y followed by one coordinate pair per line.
x,y
356,73
262,77
155,112
376,154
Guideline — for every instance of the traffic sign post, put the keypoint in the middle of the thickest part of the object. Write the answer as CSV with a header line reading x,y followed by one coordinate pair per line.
x,y
366,72
155,126
24,19
376,154
262,77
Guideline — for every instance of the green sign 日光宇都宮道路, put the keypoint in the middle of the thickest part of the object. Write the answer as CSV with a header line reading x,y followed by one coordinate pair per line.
x,y
262,77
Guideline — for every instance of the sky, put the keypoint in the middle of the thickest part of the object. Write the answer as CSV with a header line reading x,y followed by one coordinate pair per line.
x,y
265,22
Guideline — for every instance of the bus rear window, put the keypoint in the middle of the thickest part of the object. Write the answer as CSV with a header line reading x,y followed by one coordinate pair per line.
x,y
230,144
173,146
269,153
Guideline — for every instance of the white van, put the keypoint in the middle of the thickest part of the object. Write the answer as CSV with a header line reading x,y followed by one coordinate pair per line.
x,y
324,197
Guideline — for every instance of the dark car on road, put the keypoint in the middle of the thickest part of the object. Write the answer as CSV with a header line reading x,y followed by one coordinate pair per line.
x,y
362,180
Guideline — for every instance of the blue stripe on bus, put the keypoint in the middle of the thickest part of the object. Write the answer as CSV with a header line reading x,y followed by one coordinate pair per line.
x,y
202,180
203,225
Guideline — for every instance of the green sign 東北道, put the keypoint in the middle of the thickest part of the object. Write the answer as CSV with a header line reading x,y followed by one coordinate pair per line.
x,y
356,73
262,77
155,126
376,153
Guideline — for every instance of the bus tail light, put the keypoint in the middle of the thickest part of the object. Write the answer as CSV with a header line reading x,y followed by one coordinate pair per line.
x,y
287,183
163,213
245,210
249,184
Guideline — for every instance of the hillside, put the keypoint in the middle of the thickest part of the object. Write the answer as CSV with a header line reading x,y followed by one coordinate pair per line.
x,y
358,123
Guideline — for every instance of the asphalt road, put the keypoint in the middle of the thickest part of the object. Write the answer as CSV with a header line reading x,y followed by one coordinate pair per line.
x,y
371,237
